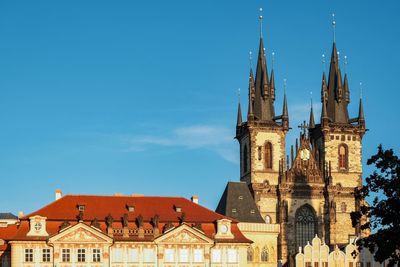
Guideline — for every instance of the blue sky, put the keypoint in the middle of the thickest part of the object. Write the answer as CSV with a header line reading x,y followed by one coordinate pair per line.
x,y
99,97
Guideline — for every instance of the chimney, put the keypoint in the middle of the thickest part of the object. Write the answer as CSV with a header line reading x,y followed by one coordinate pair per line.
x,y
20,214
58,194
195,199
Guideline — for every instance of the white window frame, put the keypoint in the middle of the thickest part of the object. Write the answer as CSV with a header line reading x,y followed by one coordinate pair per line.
x,y
96,255
148,255
81,255
216,255
232,255
28,255
169,255
133,255
66,254
184,255
198,255
117,255
46,255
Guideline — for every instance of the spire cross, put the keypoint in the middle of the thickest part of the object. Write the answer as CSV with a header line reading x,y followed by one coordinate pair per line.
x,y
334,27
311,98
304,126
239,95
361,90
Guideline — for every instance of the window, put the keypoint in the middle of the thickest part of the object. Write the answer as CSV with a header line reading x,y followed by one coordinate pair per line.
x,y
343,207
46,255
198,255
268,219
264,254
133,255
368,264
324,264
259,153
169,255
250,254
308,264
216,255
350,264
81,255
148,255
306,225
245,158
184,255
117,255
316,264
232,255
96,255
268,155
359,264
343,157
66,255
28,255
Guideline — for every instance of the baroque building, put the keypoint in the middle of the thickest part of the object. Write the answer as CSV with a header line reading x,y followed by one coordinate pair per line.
x,y
311,191
123,231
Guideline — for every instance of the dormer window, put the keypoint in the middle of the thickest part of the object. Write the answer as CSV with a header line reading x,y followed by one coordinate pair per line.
x,y
81,207
130,208
240,197
178,209
252,211
233,210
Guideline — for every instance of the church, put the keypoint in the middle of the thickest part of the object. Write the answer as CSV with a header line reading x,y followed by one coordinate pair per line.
x,y
284,200
308,190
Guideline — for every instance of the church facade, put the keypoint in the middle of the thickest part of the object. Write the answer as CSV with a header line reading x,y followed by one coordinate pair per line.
x,y
309,191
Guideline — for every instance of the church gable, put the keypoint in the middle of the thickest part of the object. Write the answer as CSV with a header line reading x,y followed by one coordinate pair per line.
x,y
80,233
184,235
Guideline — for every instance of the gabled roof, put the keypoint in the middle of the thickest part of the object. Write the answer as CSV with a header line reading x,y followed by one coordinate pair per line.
x,y
238,203
66,210
100,207
7,216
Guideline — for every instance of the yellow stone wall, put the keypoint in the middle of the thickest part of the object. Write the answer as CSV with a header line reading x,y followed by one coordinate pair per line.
x,y
263,235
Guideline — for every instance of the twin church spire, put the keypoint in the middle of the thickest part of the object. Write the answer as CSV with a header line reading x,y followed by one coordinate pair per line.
x,y
262,94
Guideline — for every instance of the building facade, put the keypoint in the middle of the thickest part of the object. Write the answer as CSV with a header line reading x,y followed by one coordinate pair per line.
x,y
310,190
124,231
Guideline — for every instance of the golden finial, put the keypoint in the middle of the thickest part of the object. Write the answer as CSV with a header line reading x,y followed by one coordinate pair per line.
x,y
361,90
239,95
345,64
323,63
250,58
261,17
284,85
273,60
334,27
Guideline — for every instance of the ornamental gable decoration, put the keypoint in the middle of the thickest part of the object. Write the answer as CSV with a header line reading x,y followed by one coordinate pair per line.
x,y
184,234
80,233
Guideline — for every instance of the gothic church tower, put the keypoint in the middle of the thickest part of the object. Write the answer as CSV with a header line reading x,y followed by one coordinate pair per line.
x,y
312,193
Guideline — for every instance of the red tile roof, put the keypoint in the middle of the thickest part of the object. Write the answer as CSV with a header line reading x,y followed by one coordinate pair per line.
x,y
99,207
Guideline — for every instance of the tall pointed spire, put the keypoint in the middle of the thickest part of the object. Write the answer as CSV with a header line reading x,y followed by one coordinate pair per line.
x,y
312,121
324,115
336,103
263,101
239,113
250,113
285,113
272,80
361,118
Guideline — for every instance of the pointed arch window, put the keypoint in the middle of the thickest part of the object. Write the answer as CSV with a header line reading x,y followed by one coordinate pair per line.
x,y
306,225
245,159
343,157
268,155
264,254
250,254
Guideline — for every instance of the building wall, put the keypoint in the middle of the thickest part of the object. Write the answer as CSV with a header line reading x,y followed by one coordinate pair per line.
x,y
263,236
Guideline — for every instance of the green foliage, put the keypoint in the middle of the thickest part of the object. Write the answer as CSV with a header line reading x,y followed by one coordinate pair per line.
x,y
384,213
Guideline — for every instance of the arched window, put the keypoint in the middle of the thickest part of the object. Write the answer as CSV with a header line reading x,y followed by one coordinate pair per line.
x,y
257,254
267,219
245,158
306,225
343,207
343,157
268,155
250,254
264,254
